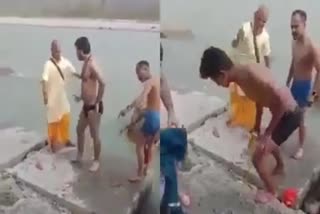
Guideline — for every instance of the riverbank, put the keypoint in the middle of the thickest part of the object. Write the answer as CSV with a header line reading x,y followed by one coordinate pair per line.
x,y
99,24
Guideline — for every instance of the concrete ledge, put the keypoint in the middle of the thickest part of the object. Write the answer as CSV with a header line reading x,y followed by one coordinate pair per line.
x,y
191,118
230,150
74,208
17,142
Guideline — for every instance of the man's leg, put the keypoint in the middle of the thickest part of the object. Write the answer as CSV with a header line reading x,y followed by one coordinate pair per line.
x,y
65,130
258,157
279,169
53,136
81,127
302,136
140,161
148,153
94,125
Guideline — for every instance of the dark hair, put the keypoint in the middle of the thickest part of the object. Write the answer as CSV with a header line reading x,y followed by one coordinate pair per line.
x,y
142,63
161,53
213,61
83,44
301,13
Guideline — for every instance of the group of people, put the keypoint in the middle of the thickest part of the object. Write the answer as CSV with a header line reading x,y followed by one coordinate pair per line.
x,y
286,102
57,71
144,127
247,72
252,45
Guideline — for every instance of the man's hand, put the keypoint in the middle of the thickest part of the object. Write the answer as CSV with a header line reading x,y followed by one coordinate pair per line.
x,y
172,120
76,98
240,35
266,145
256,129
76,75
127,128
123,112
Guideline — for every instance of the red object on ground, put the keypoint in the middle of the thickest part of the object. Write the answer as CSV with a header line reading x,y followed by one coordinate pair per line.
x,y
289,197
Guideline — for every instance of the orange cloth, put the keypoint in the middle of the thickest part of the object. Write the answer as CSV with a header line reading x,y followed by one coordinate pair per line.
x,y
58,132
243,110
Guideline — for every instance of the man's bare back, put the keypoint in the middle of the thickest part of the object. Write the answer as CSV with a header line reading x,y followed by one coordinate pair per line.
x,y
258,84
153,97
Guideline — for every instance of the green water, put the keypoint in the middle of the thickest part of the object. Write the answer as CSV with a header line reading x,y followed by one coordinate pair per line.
x,y
25,49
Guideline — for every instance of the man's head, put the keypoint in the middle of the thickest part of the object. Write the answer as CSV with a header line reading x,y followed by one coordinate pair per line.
x,y
215,64
298,24
55,50
143,70
261,17
83,47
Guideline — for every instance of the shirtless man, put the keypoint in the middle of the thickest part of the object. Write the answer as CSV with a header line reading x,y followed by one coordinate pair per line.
x,y
92,90
151,117
258,84
305,57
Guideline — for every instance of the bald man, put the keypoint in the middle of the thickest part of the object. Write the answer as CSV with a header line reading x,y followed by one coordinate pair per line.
x,y
251,45
57,71
253,34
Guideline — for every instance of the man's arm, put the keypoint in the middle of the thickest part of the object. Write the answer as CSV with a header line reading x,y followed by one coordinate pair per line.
x,y
266,51
277,109
240,36
146,89
44,91
44,80
259,111
101,83
316,55
165,94
290,74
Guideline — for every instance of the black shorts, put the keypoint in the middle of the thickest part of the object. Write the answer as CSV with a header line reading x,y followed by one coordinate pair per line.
x,y
289,122
87,108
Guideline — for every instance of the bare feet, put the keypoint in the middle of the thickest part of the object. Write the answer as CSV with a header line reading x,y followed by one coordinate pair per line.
x,y
140,175
229,122
95,166
264,197
299,154
78,160
145,170
69,144
135,179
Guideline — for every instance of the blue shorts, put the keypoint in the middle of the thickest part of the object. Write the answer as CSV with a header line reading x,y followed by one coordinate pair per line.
x,y
151,124
300,90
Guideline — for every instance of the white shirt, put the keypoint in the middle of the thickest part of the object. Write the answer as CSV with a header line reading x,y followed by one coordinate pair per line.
x,y
58,103
245,53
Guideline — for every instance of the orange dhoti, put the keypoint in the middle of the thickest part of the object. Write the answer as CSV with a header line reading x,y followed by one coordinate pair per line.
x,y
242,109
58,132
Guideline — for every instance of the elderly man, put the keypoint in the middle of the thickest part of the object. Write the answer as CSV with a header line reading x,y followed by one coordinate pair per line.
x,y
57,71
251,45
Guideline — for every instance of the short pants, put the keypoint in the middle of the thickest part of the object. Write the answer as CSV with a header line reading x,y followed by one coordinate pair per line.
x,y
151,124
289,122
300,90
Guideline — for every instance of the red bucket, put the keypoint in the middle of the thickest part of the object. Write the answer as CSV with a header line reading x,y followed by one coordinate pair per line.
x,y
289,197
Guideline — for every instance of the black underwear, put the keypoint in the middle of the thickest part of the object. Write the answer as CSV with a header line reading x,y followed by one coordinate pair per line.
x,y
87,108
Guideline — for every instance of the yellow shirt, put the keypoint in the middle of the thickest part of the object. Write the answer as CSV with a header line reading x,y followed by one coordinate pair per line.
x,y
245,53
58,103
